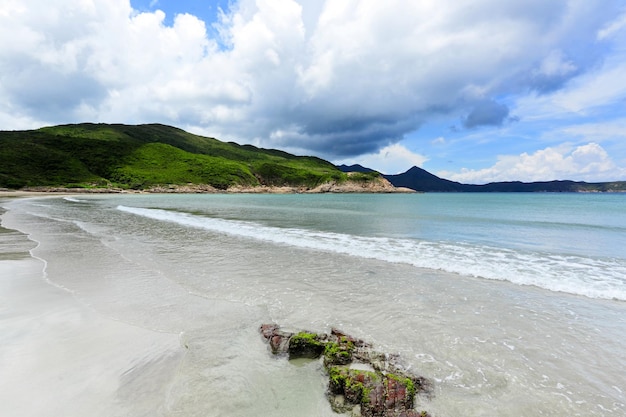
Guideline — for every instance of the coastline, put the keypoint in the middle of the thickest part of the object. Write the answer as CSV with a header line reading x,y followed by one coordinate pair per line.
x,y
60,356
380,186
490,347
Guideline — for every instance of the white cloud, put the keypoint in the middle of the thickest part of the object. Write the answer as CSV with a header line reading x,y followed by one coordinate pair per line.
x,y
613,27
603,88
555,64
589,162
439,141
336,79
587,94
610,130
392,159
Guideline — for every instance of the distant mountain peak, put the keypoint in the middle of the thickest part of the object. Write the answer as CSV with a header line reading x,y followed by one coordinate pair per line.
x,y
419,179
420,172
354,168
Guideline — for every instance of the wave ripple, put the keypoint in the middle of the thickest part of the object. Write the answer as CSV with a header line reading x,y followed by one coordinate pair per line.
x,y
603,278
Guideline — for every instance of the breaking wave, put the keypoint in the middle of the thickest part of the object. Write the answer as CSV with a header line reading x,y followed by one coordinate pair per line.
x,y
591,277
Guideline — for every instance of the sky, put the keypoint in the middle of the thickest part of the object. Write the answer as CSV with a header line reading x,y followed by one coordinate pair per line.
x,y
474,91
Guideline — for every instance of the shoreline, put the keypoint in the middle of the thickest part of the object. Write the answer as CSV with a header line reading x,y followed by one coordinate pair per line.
x,y
60,356
376,185
329,188
482,341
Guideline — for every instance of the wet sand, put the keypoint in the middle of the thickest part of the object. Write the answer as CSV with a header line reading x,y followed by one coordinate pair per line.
x,y
490,347
5,194
60,358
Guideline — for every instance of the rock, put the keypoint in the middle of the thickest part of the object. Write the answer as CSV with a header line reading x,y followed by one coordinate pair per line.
x,y
374,185
305,345
340,349
377,394
338,404
267,330
277,339
360,380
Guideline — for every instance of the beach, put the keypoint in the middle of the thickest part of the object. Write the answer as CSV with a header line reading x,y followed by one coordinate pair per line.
x,y
60,357
150,305
63,355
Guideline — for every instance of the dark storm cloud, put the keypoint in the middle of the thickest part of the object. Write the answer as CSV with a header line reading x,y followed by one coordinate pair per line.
x,y
356,137
486,113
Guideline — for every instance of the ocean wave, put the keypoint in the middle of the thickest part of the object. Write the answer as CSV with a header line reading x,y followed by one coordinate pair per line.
x,y
74,200
603,278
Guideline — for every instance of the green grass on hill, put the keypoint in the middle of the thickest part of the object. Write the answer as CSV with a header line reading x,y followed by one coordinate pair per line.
x,y
158,163
96,155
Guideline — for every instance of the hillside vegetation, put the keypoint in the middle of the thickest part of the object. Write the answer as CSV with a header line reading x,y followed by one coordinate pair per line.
x,y
139,157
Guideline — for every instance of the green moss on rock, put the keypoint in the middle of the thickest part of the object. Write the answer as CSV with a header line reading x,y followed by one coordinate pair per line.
x,y
338,353
305,345
406,382
357,375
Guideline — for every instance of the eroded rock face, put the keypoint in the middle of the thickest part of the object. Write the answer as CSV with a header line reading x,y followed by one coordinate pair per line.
x,y
361,381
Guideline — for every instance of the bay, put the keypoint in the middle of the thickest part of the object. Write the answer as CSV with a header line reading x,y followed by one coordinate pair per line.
x,y
512,304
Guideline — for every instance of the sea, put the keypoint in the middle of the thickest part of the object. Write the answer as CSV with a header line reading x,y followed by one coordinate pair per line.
x,y
150,304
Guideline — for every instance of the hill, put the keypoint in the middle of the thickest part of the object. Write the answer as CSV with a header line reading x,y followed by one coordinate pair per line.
x,y
157,157
420,180
354,168
139,157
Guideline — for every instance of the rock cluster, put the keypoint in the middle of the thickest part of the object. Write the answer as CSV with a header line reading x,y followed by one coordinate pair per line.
x,y
374,185
361,381
377,185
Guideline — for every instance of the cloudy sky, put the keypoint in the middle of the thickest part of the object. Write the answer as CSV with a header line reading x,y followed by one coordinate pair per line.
x,y
471,90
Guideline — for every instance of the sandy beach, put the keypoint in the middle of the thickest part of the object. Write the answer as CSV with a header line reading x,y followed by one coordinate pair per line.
x,y
19,193
61,358
10,194
149,305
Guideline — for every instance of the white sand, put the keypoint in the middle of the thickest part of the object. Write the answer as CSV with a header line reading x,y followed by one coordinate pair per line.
x,y
59,358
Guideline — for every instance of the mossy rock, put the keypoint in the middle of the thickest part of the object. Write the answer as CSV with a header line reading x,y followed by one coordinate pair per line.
x,y
305,345
361,380
353,384
338,353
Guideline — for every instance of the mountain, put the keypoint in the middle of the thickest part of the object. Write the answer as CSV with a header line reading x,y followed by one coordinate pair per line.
x,y
148,156
138,157
354,168
551,186
421,180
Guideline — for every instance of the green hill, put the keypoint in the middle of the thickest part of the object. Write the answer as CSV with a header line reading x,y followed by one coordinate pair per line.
x,y
138,157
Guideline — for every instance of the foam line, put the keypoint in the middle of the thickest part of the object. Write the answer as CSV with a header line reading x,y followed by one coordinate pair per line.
x,y
591,277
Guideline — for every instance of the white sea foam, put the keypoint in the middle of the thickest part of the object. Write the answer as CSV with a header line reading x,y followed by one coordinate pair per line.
x,y
592,277
74,200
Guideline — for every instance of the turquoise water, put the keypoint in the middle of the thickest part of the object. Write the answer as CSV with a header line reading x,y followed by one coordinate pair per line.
x,y
511,304
561,242
578,224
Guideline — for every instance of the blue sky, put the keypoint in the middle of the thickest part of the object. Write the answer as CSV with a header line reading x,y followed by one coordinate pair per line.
x,y
204,10
471,90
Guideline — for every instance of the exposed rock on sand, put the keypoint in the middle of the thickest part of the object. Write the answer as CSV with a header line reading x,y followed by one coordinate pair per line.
x,y
361,381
